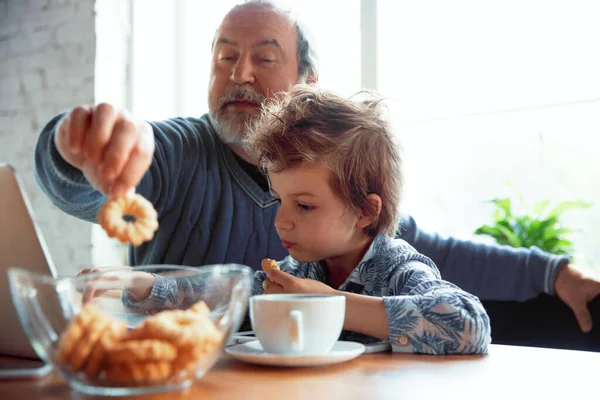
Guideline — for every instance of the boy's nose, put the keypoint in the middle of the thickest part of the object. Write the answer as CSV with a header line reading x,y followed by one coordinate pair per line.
x,y
283,221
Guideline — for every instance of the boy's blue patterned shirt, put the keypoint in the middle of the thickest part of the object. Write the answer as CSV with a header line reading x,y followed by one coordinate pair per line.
x,y
425,313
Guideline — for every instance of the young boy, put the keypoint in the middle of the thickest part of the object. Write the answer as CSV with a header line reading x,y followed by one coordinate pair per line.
x,y
335,169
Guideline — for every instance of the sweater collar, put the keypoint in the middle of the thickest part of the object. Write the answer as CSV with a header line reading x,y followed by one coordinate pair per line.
x,y
259,197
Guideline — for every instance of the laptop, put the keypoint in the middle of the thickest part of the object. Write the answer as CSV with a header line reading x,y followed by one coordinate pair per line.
x,y
21,245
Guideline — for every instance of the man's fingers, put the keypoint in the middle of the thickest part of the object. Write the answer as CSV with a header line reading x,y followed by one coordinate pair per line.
x,y
584,318
110,147
132,172
63,134
79,123
103,121
116,154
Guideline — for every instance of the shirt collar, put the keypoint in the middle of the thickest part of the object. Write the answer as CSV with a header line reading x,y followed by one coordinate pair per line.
x,y
361,275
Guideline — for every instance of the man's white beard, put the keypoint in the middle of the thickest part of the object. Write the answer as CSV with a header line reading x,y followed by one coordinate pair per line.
x,y
232,125
232,128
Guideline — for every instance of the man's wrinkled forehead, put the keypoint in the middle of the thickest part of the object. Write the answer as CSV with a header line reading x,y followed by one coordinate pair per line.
x,y
264,23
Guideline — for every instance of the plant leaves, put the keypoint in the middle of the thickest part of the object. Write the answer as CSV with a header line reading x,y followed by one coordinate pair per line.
x,y
565,205
488,230
550,233
562,246
540,207
504,205
542,229
512,238
532,229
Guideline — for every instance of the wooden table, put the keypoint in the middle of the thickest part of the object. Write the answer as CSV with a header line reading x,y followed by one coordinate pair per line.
x,y
507,372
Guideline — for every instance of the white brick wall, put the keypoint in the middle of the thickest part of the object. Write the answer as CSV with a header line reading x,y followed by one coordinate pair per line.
x,y
47,55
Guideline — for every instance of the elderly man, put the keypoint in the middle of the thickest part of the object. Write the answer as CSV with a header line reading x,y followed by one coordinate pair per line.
x,y
214,205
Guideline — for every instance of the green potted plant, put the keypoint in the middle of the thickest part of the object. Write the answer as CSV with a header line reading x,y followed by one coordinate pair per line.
x,y
540,226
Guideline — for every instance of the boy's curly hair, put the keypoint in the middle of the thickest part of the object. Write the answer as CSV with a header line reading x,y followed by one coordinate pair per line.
x,y
309,125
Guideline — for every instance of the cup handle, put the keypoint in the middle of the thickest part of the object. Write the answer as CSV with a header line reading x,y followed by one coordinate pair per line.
x,y
296,331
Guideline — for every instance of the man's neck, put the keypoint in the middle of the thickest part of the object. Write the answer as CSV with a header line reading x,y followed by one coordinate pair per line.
x,y
239,150
252,170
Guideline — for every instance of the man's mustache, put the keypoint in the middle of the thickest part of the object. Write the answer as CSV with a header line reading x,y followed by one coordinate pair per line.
x,y
241,93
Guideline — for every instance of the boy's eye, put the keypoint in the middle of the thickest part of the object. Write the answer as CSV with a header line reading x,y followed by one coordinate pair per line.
x,y
304,207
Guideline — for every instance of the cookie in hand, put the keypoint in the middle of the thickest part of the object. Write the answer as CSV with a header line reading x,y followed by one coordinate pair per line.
x,y
268,264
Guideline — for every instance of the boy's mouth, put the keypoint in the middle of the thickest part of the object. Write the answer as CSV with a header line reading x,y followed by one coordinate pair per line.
x,y
286,244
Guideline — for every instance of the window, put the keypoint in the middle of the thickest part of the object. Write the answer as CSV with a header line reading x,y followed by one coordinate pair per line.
x,y
489,92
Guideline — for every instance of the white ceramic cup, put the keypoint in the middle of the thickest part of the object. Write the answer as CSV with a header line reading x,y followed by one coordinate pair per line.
x,y
297,323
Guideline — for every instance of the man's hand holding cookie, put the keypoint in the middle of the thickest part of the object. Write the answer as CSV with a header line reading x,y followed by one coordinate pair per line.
x,y
110,147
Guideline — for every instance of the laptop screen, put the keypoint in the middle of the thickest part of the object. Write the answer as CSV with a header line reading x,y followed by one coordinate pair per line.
x,y
20,246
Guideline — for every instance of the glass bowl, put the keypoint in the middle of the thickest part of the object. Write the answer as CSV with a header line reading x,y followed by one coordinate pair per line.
x,y
103,338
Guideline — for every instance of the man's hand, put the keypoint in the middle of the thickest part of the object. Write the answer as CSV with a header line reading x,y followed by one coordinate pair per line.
x,y
282,282
110,147
577,289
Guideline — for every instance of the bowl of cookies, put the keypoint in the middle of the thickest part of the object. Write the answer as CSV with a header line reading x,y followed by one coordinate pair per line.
x,y
128,331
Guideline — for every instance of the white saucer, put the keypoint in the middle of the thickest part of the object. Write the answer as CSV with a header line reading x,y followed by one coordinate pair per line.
x,y
253,352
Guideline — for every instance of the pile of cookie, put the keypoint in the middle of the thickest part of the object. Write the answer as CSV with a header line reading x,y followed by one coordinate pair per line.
x,y
167,346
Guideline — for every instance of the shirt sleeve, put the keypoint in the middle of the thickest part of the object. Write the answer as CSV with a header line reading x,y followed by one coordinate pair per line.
x,y
166,294
491,272
65,186
169,293
432,316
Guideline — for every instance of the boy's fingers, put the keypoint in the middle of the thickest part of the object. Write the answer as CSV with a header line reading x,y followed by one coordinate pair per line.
x,y
279,277
271,287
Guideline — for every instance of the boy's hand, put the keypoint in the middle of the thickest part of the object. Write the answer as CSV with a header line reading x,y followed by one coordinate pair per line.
x,y
137,283
110,147
282,282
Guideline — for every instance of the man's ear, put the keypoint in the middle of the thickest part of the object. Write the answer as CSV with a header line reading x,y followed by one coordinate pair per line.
x,y
312,79
366,220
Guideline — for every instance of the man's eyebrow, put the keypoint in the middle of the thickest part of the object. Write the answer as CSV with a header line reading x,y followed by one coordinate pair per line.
x,y
264,42
268,42
224,40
